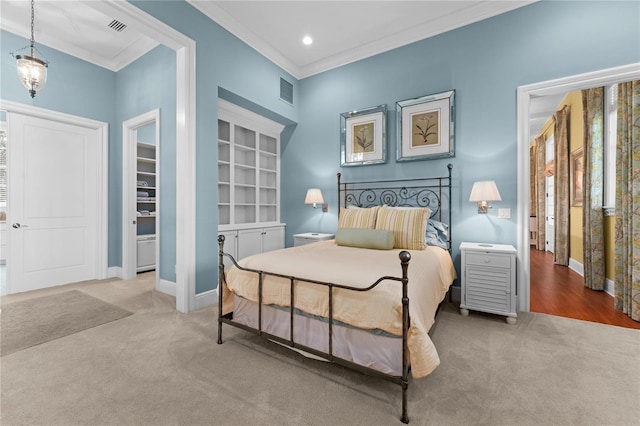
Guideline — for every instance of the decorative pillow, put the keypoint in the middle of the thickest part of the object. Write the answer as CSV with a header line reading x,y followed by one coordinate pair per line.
x,y
358,218
437,234
409,226
365,238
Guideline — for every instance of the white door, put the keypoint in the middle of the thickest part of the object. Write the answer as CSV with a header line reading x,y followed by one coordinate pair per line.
x,y
54,193
249,242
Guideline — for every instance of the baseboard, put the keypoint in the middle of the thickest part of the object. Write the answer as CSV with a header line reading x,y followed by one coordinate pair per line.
x,y
206,298
114,272
610,287
167,287
576,266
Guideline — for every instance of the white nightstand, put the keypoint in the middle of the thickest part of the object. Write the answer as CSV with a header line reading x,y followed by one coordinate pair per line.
x,y
489,279
311,237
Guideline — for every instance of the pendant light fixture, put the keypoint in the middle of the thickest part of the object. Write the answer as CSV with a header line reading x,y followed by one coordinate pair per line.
x,y
31,69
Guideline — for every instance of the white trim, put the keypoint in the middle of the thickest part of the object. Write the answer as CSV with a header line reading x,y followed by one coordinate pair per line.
x,y
576,266
524,95
185,138
206,298
166,287
114,272
129,154
102,236
610,287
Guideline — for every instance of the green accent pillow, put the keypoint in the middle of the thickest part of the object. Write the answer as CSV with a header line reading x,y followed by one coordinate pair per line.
x,y
365,238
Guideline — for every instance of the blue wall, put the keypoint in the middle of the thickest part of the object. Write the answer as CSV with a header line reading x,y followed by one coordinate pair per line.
x,y
73,87
222,62
485,63
144,85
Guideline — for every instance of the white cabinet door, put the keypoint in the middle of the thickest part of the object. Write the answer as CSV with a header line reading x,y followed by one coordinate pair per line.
x,y
230,246
273,239
249,242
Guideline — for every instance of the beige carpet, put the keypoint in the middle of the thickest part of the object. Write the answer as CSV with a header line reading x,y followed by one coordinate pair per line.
x,y
160,367
42,319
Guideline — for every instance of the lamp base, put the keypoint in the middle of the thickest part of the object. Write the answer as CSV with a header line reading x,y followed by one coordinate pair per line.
x,y
483,207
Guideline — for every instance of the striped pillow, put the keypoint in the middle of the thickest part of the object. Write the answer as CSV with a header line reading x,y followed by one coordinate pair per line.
x,y
408,225
358,218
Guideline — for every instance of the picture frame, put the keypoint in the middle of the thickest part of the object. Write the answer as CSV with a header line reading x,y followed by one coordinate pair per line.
x,y
363,137
576,174
425,127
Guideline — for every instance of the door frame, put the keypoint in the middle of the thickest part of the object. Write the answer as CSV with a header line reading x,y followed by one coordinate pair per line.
x,y
129,154
524,94
100,224
185,49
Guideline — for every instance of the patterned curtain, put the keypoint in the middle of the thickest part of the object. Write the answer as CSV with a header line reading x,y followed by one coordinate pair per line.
x,y
540,191
592,215
627,251
561,181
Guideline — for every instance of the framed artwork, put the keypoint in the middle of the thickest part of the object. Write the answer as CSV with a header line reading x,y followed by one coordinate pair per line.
x,y
363,136
425,127
577,177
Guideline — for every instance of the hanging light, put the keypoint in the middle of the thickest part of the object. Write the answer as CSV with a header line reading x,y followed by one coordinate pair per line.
x,y
31,69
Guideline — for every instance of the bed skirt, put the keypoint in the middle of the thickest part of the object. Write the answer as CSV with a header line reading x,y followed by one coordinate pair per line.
x,y
381,352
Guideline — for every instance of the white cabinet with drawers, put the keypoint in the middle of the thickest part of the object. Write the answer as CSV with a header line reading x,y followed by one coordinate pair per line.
x,y
489,279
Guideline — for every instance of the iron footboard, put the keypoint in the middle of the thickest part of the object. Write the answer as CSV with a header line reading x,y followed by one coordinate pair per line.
x,y
402,380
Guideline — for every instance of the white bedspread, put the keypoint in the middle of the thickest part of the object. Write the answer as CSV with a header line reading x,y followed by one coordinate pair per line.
x,y
431,272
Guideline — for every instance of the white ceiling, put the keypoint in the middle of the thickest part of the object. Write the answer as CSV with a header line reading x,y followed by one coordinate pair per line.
x,y
343,31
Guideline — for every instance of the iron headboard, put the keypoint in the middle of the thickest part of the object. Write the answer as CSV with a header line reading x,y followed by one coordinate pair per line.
x,y
431,192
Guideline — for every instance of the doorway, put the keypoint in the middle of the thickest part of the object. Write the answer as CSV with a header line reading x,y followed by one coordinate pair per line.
x,y
524,96
56,228
141,195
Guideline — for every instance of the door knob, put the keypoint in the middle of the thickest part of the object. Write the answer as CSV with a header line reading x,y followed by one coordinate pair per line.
x,y
17,225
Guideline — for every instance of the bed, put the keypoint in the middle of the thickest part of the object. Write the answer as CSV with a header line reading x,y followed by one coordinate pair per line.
x,y
348,300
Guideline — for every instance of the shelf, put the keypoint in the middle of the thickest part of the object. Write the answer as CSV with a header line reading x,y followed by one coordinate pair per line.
x,y
244,148
150,188
145,173
150,215
223,183
146,160
243,166
245,185
223,162
138,200
268,170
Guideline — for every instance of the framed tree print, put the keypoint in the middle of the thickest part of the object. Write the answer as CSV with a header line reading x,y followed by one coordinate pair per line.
x,y
425,127
363,136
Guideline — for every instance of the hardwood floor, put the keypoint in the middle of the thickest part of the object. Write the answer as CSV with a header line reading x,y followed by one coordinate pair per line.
x,y
558,290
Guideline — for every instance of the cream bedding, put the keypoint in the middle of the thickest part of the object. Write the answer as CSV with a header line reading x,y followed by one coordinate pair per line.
x,y
431,272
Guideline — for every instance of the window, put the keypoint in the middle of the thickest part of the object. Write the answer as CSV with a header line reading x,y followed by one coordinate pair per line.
x,y
610,138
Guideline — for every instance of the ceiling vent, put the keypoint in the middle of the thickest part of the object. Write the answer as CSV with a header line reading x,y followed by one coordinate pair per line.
x,y
286,91
117,26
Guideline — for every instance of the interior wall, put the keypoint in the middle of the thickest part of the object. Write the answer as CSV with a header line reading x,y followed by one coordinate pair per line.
x,y
485,63
73,87
222,61
146,84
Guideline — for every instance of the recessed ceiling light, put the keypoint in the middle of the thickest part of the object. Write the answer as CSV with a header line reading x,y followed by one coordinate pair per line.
x,y
307,40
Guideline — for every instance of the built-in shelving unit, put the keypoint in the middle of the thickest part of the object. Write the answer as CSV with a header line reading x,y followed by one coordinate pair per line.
x,y
249,176
146,205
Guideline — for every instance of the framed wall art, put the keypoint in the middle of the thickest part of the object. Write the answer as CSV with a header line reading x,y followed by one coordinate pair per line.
x,y
425,127
576,177
363,136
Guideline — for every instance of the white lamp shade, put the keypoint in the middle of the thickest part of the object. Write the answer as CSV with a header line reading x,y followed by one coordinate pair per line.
x,y
485,190
314,196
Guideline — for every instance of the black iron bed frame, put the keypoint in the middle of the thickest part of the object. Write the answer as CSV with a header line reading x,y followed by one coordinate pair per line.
x,y
423,192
